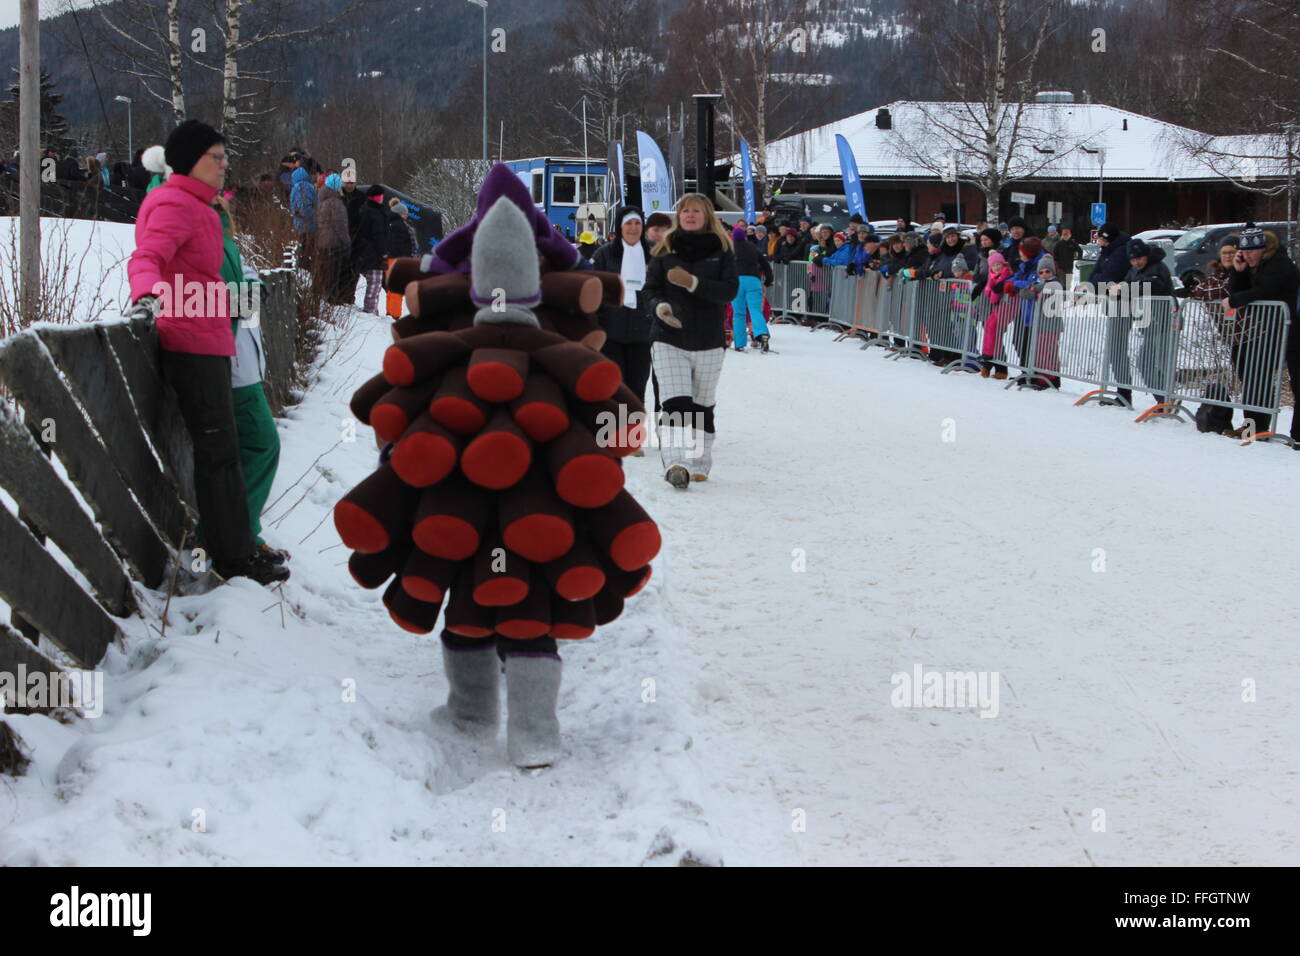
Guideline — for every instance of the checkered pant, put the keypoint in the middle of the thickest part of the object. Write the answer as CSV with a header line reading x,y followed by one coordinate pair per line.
x,y
684,373
374,286
693,376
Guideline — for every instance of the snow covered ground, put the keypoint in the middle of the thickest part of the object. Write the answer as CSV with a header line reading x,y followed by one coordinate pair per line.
x,y
83,265
1130,585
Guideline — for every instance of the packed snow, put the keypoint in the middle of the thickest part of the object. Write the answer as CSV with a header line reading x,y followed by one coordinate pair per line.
x,y
1125,589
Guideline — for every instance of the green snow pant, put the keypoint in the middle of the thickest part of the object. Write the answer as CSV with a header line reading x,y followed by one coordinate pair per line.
x,y
259,453
259,450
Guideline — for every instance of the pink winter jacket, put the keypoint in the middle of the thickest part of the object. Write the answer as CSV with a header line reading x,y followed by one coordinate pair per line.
x,y
177,232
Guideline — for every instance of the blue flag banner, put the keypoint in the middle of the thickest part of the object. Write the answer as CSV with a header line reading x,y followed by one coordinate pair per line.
x,y
622,180
747,174
852,184
656,183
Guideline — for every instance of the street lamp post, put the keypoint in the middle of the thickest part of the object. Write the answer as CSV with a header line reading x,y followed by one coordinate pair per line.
x,y
130,141
483,4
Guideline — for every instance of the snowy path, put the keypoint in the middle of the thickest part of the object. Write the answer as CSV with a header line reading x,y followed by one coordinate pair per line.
x,y
1121,690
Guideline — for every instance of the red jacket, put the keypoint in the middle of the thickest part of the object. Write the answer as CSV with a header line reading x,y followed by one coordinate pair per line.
x,y
178,233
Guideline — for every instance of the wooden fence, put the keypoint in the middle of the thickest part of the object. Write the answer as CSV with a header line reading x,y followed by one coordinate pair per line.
x,y
92,396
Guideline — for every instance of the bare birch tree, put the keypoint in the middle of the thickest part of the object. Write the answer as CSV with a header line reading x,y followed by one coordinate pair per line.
x,y
144,41
759,54
990,135
606,59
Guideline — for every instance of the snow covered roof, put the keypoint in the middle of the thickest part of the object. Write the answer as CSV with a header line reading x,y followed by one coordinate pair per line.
x,y
1137,147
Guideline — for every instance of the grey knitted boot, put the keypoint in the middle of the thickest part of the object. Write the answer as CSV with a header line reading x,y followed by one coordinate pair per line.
x,y
532,728
474,702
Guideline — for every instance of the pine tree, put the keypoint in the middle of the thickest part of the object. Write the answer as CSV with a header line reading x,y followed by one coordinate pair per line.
x,y
54,128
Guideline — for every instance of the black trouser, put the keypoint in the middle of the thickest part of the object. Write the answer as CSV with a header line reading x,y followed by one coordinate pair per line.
x,y
504,645
634,359
1294,371
202,384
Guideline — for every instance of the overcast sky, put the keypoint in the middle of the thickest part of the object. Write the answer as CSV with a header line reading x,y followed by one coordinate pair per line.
x,y
9,10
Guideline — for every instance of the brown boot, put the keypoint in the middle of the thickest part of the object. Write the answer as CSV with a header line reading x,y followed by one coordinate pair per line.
x,y
985,372
1000,374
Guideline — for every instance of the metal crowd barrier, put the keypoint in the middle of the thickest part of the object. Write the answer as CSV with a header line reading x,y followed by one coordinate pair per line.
x,y
800,291
1181,351
1232,361
946,323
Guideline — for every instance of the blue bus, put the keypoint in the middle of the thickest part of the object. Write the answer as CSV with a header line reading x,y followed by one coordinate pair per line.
x,y
565,188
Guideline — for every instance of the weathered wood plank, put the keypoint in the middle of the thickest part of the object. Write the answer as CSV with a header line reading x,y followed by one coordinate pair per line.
x,y
46,501
15,652
105,396
33,583
157,406
28,370
278,317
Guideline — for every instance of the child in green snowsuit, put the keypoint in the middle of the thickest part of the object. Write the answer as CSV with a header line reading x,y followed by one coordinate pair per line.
x,y
259,441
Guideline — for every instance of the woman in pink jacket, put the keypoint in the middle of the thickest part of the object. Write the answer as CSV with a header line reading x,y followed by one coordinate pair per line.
x,y
175,274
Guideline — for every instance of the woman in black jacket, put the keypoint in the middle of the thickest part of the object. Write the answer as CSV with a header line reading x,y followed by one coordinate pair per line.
x,y
369,245
627,326
690,280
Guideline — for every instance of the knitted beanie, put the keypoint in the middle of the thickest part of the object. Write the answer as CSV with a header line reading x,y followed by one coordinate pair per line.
x,y
187,144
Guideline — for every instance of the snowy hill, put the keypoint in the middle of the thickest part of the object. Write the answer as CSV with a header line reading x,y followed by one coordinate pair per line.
x,y
741,711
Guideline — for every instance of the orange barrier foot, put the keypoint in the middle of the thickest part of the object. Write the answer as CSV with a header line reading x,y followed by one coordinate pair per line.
x,y
1268,437
1163,410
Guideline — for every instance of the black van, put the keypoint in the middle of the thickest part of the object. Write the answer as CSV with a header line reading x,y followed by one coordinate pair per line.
x,y
1197,248
829,209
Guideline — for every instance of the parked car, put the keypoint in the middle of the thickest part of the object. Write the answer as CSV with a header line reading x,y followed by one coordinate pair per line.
x,y
887,227
1197,248
828,208
1155,235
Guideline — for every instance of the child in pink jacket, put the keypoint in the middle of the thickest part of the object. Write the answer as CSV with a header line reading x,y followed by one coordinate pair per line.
x,y
1002,309
175,274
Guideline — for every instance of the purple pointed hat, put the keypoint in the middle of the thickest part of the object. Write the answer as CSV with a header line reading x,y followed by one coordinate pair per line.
x,y
453,253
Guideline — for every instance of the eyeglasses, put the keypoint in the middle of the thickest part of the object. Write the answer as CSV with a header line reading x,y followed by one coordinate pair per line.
x,y
219,157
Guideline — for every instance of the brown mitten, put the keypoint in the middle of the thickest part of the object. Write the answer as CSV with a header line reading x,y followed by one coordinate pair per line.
x,y
679,276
